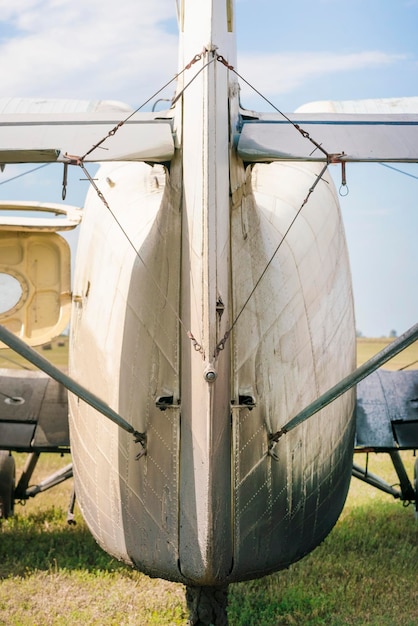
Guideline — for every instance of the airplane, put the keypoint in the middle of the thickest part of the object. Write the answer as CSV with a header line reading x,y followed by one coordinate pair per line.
x,y
212,406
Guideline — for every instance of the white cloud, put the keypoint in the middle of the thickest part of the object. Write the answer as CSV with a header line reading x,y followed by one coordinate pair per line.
x,y
59,49
281,73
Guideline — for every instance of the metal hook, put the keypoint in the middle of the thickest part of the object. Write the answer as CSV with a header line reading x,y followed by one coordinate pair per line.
x,y
343,191
64,181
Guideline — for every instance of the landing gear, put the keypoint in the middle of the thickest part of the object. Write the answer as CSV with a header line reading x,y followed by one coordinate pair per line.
x,y
207,606
7,484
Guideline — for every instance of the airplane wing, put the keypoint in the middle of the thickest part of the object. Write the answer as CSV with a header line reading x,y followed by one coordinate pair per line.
x,y
387,422
342,137
52,131
354,130
387,411
34,415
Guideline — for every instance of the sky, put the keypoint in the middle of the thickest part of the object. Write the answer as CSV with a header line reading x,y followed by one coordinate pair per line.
x,y
293,52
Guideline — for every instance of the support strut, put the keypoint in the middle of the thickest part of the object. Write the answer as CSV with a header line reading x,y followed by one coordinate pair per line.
x,y
350,381
36,359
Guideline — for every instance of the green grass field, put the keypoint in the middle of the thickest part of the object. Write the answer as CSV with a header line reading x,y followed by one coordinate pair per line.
x,y
364,574
56,351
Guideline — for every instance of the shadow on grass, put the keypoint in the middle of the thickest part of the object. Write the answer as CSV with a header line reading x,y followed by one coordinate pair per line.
x,y
43,541
344,580
366,567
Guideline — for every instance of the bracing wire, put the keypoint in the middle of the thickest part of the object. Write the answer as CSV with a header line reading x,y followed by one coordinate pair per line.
x,y
80,161
396,169
112,132
303,132
306,135
35,169
131,243
221,344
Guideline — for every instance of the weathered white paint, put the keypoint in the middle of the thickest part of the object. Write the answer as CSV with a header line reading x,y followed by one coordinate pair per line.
x,y
345,137
205,483
208,504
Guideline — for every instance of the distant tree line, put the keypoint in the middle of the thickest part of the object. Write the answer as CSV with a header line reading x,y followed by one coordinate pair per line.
x,y
392,333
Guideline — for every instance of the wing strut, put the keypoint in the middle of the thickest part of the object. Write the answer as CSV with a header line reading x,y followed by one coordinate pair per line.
x,y
348,382
39,361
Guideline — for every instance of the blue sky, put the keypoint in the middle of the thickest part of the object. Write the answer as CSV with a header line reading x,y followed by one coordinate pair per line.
x,y
294,52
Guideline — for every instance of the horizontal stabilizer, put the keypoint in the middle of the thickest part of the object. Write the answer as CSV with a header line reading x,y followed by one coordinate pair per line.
x,y
29,156
341,137
50,137
387,410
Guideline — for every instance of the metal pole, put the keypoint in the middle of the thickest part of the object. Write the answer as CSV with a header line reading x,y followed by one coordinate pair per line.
x,y
39,361
349,381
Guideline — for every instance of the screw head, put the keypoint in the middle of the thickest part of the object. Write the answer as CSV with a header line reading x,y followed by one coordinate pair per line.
x,y
210,374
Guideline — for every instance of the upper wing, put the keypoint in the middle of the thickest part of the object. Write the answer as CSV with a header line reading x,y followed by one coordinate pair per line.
x,y
369,130
347,138
52,130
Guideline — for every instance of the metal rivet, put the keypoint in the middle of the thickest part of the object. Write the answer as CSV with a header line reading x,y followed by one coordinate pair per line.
x,y
210,375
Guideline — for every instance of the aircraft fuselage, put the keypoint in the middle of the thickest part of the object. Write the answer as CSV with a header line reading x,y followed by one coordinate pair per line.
x,y
208,335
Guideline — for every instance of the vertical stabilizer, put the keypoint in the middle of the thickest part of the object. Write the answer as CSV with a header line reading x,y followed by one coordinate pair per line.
x,y
205,509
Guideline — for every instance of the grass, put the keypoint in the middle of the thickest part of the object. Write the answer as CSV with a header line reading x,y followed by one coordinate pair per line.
x,y
366,348
56,351
364,573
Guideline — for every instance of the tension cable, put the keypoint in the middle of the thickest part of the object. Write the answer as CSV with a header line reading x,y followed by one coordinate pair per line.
x,y
137,254
304,133
402,342
114,130
221,344
330,158
80,161
197,57
75,160
43,364
396,169
35,169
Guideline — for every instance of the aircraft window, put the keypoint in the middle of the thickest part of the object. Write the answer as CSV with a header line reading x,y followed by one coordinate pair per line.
x,y
10,292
